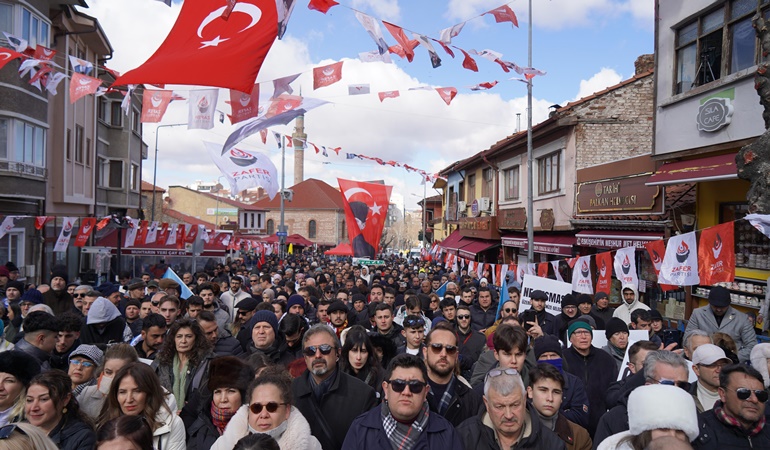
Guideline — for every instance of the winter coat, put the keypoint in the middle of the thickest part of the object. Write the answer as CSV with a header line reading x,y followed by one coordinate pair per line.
x,y
618,359
546,320
170,435
73,434
197,377
296,437
395,335
605,314
597,371
346,399
624,311
613,422
574,436
472,345
481,319
477,435
465,403
40,356
575,406
59,301
734,323
613,442
227,345
111,333
714,435
200,430
367,432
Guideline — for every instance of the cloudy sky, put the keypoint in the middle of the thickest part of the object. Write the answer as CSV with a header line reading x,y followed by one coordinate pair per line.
x,y
584,46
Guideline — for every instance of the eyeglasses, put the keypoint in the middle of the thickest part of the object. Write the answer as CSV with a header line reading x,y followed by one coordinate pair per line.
x,y
241,312
271,407
511,310
415,386
76,295
325,349
450,349
85,364
497,372
411,323
155,303
745,394
685,385
253,281
464,317
7,431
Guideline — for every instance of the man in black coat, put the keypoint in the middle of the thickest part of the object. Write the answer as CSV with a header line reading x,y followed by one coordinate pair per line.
x,y
330,398
536,320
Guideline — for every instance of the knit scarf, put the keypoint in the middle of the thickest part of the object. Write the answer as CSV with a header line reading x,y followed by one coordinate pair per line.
x,y
79,388
731,421
446,397
619,353
401,435
220,417
180,380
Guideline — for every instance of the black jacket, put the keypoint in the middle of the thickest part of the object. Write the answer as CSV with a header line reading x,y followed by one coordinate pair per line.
x,y
465,403
546,320
395,335
477,436
73,434
613,421
330,419
196,415
718,436
227,345
597,371
471,346
59,301
111,333
480,319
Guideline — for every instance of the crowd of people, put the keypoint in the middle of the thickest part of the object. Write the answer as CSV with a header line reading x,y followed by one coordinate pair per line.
x,y
308,352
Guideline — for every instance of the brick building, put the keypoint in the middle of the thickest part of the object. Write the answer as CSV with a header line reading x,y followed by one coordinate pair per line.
x,y
210,208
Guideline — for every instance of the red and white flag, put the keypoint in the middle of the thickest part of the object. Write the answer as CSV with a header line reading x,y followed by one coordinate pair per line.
x,y
191,233
504,14
154,104
656,250
283,85
366,208
581,276
469,63
521,270
555,265
141,234
625,266
327,75
435,61
542,270
282,104
680,265
322,5
244,106
43,53
40,221
87,226
407,46
82,85
387,94
604,280
202,106
716,254
8,224
447,94
203,49
7,55
63,241
162,234
152,233
484,86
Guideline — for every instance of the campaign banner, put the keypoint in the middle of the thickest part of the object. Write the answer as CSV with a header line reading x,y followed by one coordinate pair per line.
x,y
63,241
87,226
555,290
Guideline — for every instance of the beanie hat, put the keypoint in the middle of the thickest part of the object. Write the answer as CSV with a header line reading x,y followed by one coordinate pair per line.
x,y
134,302
295,299
584,298
91,352
577,324
337,305
568,300
59,274
590,320
15,284
230,372
4,272
263,316
615,325
659,406
599,296
11,267
759,356
547,343
359,298
19,364
32,296
107,289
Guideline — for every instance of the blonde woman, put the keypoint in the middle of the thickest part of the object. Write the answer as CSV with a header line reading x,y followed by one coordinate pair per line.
x,y
16,371
25,436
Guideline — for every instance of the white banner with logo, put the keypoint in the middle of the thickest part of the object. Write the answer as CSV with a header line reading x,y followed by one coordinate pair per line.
x,y
680,265
555,290
625,266
581,276
244,169
63,241
202,106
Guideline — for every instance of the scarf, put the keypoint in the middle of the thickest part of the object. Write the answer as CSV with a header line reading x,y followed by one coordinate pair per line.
x,y
548,422
446,397
558,363
320,389
731,421
220,417
616,352
180,380
79,388
401,435
276,433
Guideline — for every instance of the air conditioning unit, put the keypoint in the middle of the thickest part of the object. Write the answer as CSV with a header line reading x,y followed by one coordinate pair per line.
x,y
483,203
462,206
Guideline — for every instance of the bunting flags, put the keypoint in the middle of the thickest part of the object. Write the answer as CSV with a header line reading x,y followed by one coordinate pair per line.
x,y
82,85
8,224
152,233
657,250
423,40
201,109
244,169
504,14
63,241
373,29
321,5
484,86
680,264
542,270
87,226
7,55
387,94
604,280
447,94
43,53
625,266
81,65
284,9
18,44
40,221
581,276
469,63
716,254
244,106
446,35
358,89
375,56
154,104
555,265
327,75
761,222
172,234
283,85
131,233
407,46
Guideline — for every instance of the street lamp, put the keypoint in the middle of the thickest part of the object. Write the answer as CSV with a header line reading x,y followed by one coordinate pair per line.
x,y
155,168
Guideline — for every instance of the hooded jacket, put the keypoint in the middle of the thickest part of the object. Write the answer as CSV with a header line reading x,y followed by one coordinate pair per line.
x,y
296,437
104,324
624,311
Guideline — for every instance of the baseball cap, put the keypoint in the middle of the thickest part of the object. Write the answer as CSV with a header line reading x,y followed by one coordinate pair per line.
x,y
708,354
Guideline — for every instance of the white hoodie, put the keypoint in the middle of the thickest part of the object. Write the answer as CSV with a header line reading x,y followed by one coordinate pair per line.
x,y
296,437
624,311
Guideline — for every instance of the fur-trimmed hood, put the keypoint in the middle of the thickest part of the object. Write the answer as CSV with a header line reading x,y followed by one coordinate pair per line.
x,y
759,356
296,437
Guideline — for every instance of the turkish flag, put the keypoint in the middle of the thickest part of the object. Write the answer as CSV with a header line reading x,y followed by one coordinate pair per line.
x,y
154,104
366,209
387,94
542,270
40,221
82,85
244,106
321,5
43,53
87,226
657,250
326,75
716,254
469,63
447,94
604,280
407,46
504,14
203,49
6,55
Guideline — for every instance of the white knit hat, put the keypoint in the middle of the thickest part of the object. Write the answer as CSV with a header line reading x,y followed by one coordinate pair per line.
x,y
660,406
759,356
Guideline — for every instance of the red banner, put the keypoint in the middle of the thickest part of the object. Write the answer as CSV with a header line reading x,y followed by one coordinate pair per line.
x,y
244,106
542,270
366,208
40,221
154,104
604,280
327,75
82,85
657,250
87,226
141,234
716,254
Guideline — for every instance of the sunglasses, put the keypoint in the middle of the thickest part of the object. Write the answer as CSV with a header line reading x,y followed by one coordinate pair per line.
x,y
155,303
242,313
7,431
79,295
411,323
271,407
325,349
685,385
85,364
450,349
745,394
464,316
415,386
497,372
510,310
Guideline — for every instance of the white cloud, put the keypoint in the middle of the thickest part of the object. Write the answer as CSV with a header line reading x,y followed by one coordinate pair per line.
x,y
600,81
383,9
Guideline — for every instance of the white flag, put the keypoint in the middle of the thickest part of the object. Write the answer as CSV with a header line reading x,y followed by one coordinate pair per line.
x,y
581,276
171,239
358,89
680,265
375,56
63,241
555,265
8,224
520,270
16,43
81,65
125,105
425,42
131,233
448,33
203,235
532,269
625,266
244,169
53,82
761,222
372,27
202,108
152,233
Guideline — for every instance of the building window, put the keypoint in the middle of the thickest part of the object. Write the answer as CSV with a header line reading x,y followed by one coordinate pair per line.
x,y
116,115
134,177
511,183
461,191
103,109
270,226
488,185
79,136
344,230
136,123
12,247
548,173
6,18
88,152
719,42
311,232
22,142
110,173
471,188
34,29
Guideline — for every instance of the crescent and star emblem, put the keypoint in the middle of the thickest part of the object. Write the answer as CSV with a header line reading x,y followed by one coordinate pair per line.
x,y
5,55
247,8
375,208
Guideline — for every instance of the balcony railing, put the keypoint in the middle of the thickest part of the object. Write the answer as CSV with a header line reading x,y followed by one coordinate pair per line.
x,y
23,169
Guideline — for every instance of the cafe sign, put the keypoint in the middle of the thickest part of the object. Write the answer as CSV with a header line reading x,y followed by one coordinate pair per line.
x,y
512,219
628,194
716,111
479,227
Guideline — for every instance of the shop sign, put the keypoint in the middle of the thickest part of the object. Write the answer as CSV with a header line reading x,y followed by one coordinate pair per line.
x,y
512,219
624,195
716,111
547,219
479,227
610,242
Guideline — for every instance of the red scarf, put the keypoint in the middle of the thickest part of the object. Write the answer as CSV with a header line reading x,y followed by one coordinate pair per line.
x,y
220,417
724,417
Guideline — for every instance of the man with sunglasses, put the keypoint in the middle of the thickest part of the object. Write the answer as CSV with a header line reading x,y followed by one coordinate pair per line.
x,y
78,297
707,363
404,420
330,397
737,419
471,343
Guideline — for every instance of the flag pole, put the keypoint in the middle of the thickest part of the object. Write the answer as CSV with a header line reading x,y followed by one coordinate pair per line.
x,y
281,237
530,193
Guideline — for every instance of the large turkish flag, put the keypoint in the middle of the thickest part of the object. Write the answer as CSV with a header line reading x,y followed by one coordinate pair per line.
x,y
204,49
366,208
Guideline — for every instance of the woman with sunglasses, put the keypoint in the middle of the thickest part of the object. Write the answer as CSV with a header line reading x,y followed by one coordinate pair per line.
x,y
51,407
136,391
270,411
24,436
360,360
183,360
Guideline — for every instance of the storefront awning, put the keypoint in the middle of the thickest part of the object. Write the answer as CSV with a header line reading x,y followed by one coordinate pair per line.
x,y
712,168
476,246
551,245
452,242
616,239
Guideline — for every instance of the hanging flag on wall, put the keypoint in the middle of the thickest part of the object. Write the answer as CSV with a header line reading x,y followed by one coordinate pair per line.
x,y
604,280
716,254
581,276
202,106
87,226
63,241
154,104
680,265
625,266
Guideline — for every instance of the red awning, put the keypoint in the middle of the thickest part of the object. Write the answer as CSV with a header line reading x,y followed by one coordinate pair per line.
x,y
452,241
616,239
476,246
295,239
712,168
559,245
340,250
